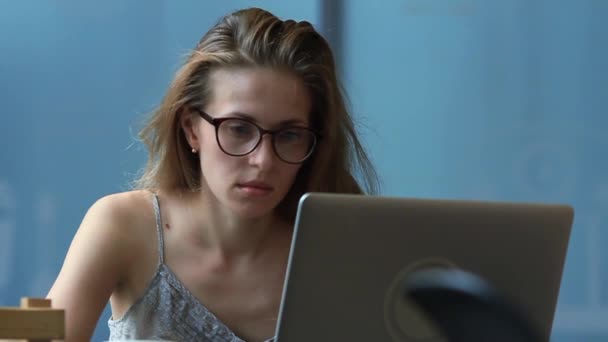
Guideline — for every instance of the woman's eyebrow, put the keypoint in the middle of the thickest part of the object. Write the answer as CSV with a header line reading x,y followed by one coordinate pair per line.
x,y
249,117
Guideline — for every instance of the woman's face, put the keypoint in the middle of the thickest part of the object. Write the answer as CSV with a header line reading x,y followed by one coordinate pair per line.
x,y
254,184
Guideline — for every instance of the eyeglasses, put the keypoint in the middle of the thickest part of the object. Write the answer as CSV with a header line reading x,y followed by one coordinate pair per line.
x,y
238,137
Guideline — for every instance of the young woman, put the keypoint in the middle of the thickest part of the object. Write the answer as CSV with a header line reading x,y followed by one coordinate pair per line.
x,y
253,120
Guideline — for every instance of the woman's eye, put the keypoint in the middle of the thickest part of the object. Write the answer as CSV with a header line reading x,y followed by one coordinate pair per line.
x,y
240,129
290,136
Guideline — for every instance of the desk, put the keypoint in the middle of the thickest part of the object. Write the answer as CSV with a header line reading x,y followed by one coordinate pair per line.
x,y
35,320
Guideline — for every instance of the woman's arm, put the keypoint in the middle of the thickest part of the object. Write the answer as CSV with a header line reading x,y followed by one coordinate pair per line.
x,y
95,264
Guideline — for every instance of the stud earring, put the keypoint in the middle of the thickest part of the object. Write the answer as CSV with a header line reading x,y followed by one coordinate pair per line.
x,y
194,150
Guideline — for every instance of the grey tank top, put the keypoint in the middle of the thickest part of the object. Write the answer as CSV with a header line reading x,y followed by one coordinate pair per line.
x,y
168,310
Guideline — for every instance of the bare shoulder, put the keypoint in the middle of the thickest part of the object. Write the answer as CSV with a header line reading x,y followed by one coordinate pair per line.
x,y
102,253
112,233
126,220
123,209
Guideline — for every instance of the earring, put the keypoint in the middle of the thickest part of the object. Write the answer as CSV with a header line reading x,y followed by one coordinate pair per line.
x,y
194,150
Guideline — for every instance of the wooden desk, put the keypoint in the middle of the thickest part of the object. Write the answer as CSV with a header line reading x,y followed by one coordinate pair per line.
x,y
35,320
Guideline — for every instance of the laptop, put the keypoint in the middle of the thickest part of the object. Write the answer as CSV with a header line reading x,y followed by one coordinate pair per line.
x,y
351,253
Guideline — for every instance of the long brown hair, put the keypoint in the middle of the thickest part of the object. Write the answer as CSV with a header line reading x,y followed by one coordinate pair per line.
x,y
256,38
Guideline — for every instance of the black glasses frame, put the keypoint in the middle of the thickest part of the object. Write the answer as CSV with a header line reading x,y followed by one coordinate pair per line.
x,y
216,122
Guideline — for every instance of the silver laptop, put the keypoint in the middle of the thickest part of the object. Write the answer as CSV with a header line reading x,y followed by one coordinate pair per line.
x,y
350,253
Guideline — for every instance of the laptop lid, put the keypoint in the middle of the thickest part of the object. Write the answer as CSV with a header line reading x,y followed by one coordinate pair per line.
x,y
350,255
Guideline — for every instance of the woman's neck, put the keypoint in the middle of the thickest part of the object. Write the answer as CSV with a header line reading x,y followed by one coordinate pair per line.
x,y
232,236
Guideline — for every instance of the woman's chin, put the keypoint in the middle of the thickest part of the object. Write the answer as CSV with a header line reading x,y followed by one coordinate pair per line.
x,y
251,212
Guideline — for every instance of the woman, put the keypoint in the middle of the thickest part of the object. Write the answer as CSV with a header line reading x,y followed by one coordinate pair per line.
x,y
198,251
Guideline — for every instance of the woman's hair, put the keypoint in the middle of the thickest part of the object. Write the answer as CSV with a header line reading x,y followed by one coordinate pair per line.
x,y
256,38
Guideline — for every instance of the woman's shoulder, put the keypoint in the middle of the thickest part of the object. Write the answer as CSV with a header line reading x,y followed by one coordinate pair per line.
x,y
125,206
124,213
121,227
127,200
107,247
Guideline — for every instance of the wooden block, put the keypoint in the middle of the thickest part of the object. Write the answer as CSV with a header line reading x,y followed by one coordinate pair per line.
x,y
27,302
32,323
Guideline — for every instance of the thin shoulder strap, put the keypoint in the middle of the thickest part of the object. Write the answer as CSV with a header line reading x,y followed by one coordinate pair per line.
x,y
159,231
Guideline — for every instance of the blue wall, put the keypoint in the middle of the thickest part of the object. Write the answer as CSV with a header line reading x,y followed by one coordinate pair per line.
x,y
457,99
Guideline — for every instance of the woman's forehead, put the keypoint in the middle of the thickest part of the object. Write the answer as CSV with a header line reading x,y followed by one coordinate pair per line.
x,y
259,92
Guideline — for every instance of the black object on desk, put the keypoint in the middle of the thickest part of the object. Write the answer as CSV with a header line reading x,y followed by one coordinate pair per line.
x,y
466,308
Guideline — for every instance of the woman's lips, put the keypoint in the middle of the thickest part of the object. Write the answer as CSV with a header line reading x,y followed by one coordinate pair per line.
x,y
255,188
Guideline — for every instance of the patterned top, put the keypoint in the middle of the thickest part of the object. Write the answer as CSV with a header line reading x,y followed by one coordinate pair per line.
x,y
168,310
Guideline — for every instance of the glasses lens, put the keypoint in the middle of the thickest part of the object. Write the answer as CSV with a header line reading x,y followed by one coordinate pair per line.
x,y
237,137
294,144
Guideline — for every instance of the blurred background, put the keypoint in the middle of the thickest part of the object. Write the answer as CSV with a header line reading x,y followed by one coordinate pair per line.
x,y
497,100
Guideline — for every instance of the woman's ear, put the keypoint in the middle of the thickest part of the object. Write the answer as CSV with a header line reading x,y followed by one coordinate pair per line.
x,y
188,123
